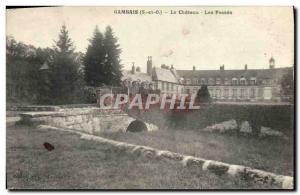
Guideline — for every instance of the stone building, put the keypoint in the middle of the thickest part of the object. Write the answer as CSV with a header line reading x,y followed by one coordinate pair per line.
x,y
224,85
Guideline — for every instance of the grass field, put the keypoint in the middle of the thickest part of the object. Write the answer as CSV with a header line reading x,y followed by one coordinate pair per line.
x,y
266,153
81,164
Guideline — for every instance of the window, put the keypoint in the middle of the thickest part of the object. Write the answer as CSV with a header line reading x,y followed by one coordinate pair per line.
x,y
226,93
155,85
234,93
162,85
234,81
210,92
252,93
168,87
213,93
218,93
172,87
195,89
195,81
188,81
242,93
270,81
203,81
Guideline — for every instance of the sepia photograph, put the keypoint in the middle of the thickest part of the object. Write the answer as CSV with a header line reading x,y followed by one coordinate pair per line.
x,y
150,98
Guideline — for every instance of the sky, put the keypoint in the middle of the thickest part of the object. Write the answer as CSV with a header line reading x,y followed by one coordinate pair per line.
x,y
250,35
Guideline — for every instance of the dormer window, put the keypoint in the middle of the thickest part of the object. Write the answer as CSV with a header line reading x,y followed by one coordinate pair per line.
x,y
243,81
252,81
218,81
226,81
211,81
203,81
234,81
188,81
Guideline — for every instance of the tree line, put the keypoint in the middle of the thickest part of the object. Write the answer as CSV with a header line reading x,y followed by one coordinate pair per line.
x,y
60,75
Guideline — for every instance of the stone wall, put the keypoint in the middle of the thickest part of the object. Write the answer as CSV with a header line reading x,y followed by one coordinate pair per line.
x,y
89,120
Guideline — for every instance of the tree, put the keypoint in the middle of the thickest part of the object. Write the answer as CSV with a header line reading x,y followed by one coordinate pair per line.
x,y
203,95
287,84
112,66
65,76
22,71
93,61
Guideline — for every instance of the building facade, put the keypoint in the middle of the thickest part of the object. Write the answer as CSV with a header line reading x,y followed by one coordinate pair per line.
x,y
224,85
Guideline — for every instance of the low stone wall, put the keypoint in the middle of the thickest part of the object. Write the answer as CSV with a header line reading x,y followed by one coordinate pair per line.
x,y
48,107
219,168
89,120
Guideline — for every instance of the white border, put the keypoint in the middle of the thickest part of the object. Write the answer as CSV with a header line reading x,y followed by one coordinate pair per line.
x,y
4,3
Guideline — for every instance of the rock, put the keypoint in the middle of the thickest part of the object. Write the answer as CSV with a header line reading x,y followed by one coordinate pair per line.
x,y
259,176
222,127
235,170
151,127
190,161
148,152
265,131
288,182
170,155
245,127
205,165
218,168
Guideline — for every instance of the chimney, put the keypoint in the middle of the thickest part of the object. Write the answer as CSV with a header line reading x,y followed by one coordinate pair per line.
x,y
246,67
138,69
271,63
222,67
149,65
133,68
194,68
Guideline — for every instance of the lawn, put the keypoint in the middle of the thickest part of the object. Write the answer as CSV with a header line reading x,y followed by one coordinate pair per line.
x,y
271,154
82,164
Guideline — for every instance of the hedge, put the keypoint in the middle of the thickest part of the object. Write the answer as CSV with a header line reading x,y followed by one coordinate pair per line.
x,y
276,116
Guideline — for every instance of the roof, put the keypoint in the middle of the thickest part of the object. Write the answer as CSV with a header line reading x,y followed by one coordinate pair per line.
x,y
127,74
164,75
258,73
45,66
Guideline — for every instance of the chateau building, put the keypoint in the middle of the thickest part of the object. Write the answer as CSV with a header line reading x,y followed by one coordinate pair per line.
x,y
224,85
